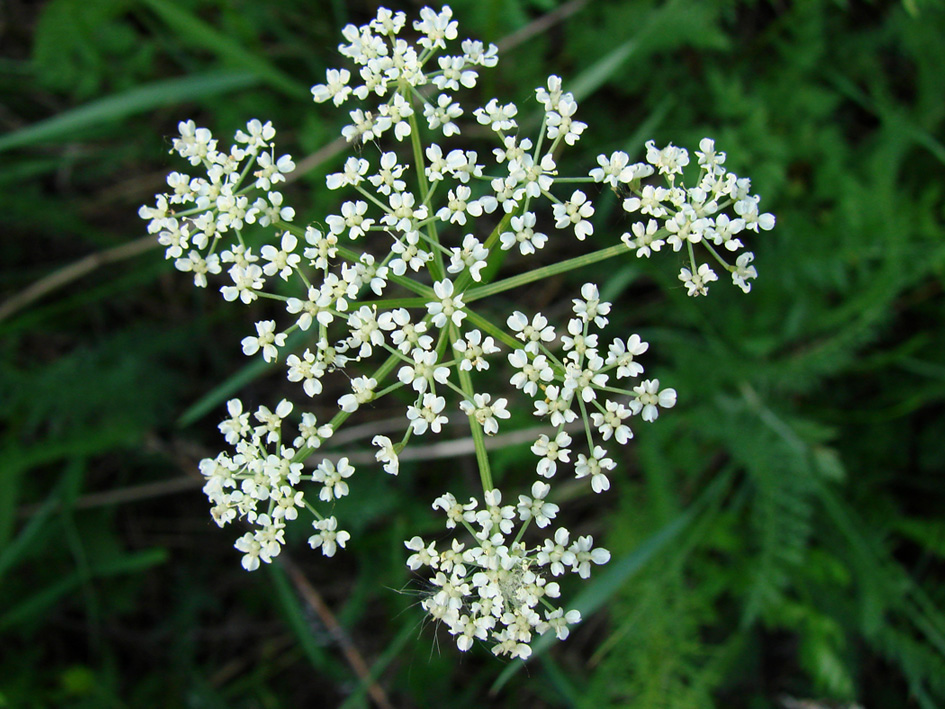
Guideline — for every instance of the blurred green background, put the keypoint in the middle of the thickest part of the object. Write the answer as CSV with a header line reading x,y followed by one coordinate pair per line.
x,y
778,537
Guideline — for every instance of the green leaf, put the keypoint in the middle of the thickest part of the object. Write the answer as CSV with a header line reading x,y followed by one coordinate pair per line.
x,y
44,598
113,108
208,38
295,616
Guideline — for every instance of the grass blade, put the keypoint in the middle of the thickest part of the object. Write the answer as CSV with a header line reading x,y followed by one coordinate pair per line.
x,y
137,100
207,37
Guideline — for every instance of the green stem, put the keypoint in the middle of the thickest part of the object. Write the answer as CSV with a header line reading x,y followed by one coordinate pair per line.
x,y
491,329
544,272
479,440
436,268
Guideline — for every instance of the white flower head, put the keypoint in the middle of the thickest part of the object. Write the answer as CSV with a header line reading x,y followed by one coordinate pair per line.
x,y
328,537
649,399
449,307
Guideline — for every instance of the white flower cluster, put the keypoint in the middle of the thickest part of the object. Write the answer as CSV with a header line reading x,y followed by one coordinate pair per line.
x,y
200,210
681,216
577,386
431,220
492,588
259,481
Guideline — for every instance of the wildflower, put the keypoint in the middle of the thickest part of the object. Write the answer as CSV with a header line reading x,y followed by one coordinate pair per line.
x,y
649,399
744,271
386,454
333,478
448,308
362,391
593,466
473,349
575,212
472,256
610,422
428,415
535,507
266,340
328,536
697,283
486,413
523,235
551,451
620,354
306,370
336,87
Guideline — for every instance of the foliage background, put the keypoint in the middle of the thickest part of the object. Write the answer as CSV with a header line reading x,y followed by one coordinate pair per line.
x,y
778,536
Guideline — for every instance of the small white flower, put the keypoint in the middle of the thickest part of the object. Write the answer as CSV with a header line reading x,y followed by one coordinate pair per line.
x,y
448,308
648,201
532,371
561,121
535,507
697,283
388,175
613,170
267,340
237,426
649,397
423,556
552,451
472,256
486,413
473,349
455,512
523,235
362,391
575,212
332,477
557,554
558,621
590,307
436,27
251,551
594,467
310,433
744,271
644,238
538,330
336,87
498,118
620,355
283,260
386,454
669,161
354,172
610,422
423,372
328,537
306,370
428,415
442,115
556,405
584,555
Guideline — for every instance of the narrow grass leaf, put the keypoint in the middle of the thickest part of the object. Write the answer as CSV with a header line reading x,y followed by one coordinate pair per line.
x,y
207,37
295,616
11,554
134,101
393,650
43,599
